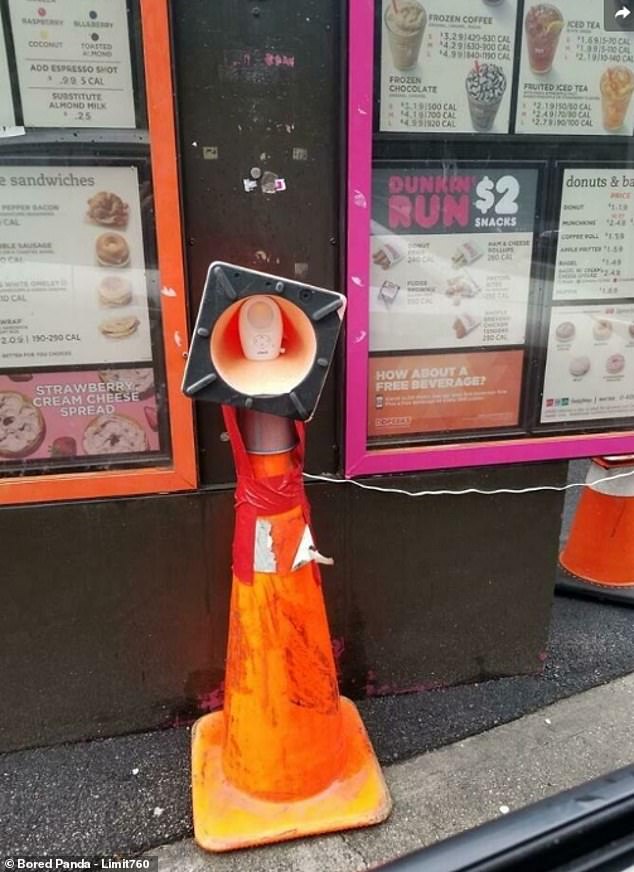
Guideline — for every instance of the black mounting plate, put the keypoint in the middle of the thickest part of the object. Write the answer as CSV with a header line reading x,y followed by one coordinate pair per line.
x,y
226,285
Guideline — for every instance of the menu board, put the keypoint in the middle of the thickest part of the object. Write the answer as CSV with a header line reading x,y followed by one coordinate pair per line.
x,y
451,256
590,364
7,117
67,415
73,284
595,257
447,65
412,394
73,61
575,76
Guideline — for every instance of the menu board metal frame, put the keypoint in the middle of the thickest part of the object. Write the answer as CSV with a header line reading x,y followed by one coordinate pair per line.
x,y
181,473
434,454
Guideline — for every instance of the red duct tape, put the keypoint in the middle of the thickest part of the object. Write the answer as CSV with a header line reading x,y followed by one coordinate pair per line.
x,y
264,498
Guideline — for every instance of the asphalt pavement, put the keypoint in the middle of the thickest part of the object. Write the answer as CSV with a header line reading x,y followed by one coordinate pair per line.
x,y
458,787
126,795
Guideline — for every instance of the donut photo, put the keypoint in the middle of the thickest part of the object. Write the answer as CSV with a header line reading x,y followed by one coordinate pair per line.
x,y
615,364
579,366
114,434
565,331
112,250
22,426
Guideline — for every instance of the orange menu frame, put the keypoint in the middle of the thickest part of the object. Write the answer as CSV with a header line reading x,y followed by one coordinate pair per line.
x,y
181,475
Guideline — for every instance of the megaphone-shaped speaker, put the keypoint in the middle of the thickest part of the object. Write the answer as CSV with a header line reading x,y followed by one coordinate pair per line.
x,y
262,342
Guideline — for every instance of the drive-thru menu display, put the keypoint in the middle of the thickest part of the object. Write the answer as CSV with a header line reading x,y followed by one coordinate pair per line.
x,y
73,282
595,255
590,350
590,368
447,65
60,416
73,63
451,256
576,77
451,269
91,281
491,244
443,393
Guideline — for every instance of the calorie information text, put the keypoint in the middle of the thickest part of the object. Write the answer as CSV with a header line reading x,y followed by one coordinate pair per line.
x,y
444,71
73,62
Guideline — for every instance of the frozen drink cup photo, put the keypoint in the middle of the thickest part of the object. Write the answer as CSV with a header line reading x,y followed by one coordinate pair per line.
x,y
405,21
617,85
486,85
493,2
543,26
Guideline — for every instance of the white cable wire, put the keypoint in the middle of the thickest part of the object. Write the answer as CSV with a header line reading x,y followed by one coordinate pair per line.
x,y
466,491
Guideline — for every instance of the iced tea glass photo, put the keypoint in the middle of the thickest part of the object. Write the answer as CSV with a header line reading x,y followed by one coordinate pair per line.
x,y
544,24
617,86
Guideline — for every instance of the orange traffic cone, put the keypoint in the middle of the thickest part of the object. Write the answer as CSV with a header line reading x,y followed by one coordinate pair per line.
x,y
598,559
287,757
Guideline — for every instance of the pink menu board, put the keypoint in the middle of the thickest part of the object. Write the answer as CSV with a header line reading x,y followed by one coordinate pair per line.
x,y
490,276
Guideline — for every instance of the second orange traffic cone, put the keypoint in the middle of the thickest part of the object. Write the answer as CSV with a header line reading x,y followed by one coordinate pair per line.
x,y
598,559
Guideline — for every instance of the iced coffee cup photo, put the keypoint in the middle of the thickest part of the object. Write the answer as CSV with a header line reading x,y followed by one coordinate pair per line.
x,y
493,2
544,24
405,22
617,86
486,86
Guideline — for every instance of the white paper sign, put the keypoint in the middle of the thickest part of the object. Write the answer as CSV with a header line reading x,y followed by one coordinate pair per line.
x,y
73,284
595,257
73,61
424,295
450,255
7,116
576,77
447,65
590,364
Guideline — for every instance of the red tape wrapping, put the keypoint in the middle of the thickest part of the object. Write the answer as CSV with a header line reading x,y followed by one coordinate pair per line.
x,y
262,498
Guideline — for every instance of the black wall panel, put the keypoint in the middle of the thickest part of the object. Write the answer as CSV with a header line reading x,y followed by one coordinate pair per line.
x,y
259,97
115,613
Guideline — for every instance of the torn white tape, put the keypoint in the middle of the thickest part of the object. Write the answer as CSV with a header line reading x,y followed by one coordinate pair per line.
x,y
307,553
263,554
